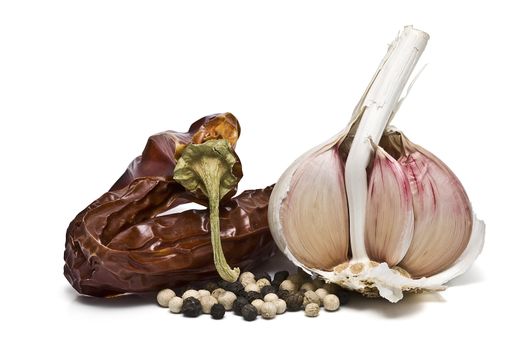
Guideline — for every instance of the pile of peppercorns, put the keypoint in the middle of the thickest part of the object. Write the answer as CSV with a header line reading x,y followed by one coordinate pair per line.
x,y
257,294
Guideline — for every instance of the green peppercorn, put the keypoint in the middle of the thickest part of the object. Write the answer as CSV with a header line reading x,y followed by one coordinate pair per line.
x,y
249,312
217,311
238,304
294,302
268,289
191,307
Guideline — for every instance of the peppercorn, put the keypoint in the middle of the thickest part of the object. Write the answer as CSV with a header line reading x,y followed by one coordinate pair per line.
x,y
307,286
268,310
249,312
331,302
238,304
257,304
268,289
210,286
253,296
296,279
207,302
283,294
318,283
263,282
227,299
203,292
320,292
311,297
246,275
312,310
261,275
191,307
281,306
175,305
294,302
235,287
252,288
281,275
288,285
223,284
270,297
218,292
164,296
344,296
190,293
332,288
217,311
246,281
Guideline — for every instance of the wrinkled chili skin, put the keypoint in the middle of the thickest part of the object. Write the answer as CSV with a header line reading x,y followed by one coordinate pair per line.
x,y
119,244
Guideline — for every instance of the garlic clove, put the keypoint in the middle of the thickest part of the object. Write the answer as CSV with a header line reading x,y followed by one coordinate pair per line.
x,y
442,211
389,216
316,203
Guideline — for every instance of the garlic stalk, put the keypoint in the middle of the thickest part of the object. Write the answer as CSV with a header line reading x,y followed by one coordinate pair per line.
x,y
376,213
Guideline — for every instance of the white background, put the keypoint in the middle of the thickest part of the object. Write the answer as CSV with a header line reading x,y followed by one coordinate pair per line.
x,y
83,84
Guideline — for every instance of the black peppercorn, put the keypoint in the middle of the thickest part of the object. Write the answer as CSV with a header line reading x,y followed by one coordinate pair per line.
x,y
249,312
235,287
260,275
238,304
268,289
344,296
283,294
253,296
191,307
281,275
210,286
223,284
217,311
294,302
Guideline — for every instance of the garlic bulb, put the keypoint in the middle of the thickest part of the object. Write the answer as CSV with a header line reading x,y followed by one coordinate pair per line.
x,y
371,211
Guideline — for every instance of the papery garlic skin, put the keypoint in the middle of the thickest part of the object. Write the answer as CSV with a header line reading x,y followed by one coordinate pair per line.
x,y
400,238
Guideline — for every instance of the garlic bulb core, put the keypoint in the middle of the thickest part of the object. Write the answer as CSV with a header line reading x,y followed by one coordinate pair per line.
x,y
372,212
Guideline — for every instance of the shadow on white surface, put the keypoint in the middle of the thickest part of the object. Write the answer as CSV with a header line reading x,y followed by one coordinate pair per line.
x,y
121,301
474,275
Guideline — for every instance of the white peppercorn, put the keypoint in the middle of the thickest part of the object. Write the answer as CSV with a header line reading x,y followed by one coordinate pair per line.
x,y
320,292
281,306
262,282
312,310
311,297
164,296
288,285
246,281
207,302
252,288
175,305
227,299
268,310
218,292
190,293
331,302
203,292
246,275
307,286
257,303
270,297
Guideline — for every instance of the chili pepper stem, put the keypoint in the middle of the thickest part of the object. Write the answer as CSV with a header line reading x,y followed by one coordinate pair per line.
x,y
224,270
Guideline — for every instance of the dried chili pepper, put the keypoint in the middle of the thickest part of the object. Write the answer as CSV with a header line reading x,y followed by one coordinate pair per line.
x,y
120,244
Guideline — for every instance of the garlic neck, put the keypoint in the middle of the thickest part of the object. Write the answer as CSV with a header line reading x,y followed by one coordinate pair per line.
x,y
374,113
